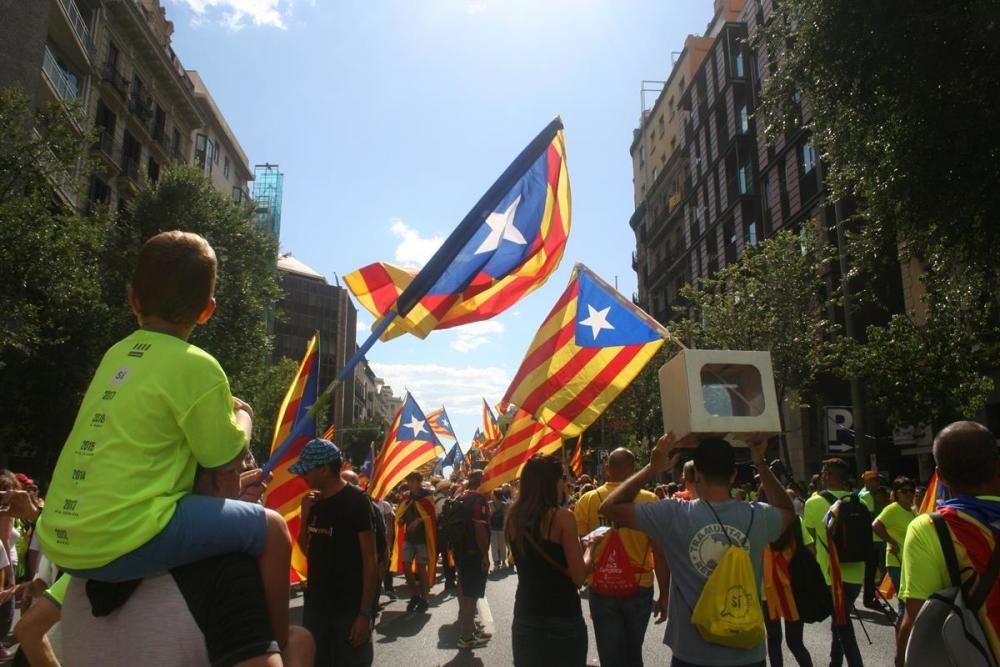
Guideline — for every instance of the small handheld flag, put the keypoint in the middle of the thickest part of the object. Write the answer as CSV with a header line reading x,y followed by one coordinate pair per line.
x,y
441,424
409,444
576,461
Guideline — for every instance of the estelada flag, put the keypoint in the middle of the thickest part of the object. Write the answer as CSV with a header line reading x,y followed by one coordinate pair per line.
x,y
589,348
576,461
441,424
409,444
285,491
491,431
365,471
525,437
935,494
507,246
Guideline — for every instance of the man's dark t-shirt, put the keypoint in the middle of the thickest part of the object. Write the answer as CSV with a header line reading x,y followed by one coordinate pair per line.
x,y
334,557
475,509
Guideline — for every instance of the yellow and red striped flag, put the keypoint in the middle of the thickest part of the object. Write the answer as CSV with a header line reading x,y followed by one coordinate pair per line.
x,y
285,491
491,431
935,493
576,461
440,423
589,348
525,437
329,433
515,239
409,444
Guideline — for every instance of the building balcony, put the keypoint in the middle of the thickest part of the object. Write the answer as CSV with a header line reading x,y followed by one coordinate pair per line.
x,y
131,176
68,27
63,87
105,147
117,81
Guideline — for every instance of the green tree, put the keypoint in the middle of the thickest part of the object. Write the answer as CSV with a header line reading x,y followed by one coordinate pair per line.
x,y
900,105
267,385
770,301
54,326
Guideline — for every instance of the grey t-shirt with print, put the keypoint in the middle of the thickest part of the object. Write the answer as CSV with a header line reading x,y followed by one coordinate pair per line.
x,y
693,542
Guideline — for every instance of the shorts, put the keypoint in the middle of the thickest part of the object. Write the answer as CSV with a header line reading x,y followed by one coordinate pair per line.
x,y
471,577
413,551
201,527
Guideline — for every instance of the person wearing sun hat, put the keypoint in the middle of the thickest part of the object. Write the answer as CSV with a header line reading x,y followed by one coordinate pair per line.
x,y
338,538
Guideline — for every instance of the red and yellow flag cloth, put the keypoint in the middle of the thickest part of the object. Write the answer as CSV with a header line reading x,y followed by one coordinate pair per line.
x,y
425,509
525,437
409,444
491,430
589,348
778,583
285,491
576,461
936,493
973,523
440,423
517,246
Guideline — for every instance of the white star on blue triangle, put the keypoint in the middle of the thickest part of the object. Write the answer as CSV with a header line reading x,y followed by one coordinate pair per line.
x,y
604,319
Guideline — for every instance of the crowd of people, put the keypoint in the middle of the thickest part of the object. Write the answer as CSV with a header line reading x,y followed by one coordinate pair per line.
x,y
152,547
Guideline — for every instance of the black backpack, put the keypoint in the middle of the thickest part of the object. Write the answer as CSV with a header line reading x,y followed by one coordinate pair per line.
x,y
451,524
849,525
812,595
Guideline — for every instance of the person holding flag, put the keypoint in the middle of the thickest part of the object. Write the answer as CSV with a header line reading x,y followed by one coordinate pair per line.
x,y
416,537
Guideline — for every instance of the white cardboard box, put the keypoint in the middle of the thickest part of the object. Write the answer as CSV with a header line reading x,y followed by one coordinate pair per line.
x,y
721,393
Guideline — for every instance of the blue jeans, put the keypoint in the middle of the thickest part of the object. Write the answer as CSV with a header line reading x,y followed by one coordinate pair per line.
x,y
201,527
549,641
844,643
620,627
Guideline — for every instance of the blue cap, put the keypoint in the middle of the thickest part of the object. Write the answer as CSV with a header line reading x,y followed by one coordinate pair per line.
x,y
315,453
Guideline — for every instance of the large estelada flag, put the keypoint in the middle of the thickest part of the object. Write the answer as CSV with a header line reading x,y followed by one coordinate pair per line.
x,y
441,424
285,491
525,437
589,348
576,461
510,244
409,444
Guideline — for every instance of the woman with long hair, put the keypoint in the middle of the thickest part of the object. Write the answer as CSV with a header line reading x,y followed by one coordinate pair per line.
x,y
548,628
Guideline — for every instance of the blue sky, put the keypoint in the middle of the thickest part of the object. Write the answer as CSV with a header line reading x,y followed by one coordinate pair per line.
x,y
390,119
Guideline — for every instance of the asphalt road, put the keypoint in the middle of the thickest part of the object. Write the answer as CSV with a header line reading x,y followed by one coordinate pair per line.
x,y
426,640
429,639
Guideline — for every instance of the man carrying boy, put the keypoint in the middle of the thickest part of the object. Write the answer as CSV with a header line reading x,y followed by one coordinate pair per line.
x,y
120,504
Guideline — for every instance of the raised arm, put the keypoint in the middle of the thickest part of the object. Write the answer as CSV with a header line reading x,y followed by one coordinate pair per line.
x,y
776,496
619,506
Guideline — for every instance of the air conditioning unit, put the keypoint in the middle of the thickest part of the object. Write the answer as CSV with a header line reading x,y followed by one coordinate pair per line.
x,y
720,393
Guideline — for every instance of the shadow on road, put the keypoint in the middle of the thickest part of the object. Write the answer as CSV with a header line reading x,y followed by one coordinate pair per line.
x,y
395,624
448,639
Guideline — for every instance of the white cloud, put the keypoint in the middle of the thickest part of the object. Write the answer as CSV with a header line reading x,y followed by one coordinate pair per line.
x,y
476,7
364,327
470,336
236,13
413,250
460,389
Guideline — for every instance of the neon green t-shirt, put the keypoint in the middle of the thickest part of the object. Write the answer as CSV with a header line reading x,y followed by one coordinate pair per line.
x,y
924,570
815,509
895,518
868,498
156,408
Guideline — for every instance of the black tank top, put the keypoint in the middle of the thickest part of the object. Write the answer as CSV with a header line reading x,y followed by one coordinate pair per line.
x,y
543,590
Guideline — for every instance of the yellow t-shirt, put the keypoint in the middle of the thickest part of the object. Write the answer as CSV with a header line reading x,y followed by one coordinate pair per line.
x,y
156,408
924,570
895,518
636,542
815,509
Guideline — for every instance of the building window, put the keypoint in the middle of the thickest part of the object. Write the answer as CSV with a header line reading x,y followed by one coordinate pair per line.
x,y
744,120
743,180
738,65
201,150
215,149
808,157
225,168
654,173
153,170
175,145
642,155
752,233
237,195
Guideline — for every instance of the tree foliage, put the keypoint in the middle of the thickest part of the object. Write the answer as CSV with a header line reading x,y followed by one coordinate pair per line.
x,y
899,99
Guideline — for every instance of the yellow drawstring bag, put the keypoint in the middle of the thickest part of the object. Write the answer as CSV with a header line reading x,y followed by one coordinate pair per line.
x,y
728,610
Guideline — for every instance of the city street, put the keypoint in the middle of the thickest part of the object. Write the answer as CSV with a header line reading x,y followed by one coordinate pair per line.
x,y
427,640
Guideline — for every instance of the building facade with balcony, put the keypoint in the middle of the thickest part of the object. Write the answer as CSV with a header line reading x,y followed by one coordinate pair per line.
x,y
311,304
113,58
217,151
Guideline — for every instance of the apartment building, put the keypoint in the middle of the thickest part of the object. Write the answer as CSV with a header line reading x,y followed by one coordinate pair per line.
x,y
114,59
311,304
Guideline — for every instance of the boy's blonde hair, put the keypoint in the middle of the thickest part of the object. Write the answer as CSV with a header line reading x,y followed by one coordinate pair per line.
x,y
175,277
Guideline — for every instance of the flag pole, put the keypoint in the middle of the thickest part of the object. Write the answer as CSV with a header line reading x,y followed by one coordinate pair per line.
x,y
444,256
